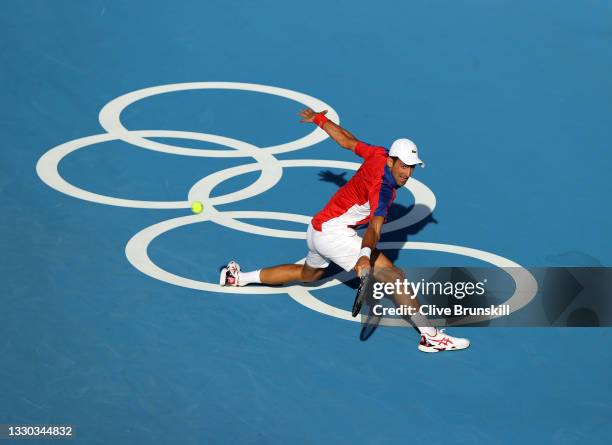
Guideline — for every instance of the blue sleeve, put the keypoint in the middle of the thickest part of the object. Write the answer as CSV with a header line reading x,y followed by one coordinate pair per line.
x,y
382,200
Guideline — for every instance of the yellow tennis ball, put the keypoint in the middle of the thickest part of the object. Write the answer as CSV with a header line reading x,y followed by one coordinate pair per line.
x,y
197,207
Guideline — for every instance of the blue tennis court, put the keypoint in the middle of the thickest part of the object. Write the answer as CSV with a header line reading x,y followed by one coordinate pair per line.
x,y
117,116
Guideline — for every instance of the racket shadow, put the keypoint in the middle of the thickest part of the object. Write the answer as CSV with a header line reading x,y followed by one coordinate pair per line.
x,y
369,320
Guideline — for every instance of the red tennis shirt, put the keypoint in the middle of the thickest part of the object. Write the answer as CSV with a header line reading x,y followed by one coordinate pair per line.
x,y
370,192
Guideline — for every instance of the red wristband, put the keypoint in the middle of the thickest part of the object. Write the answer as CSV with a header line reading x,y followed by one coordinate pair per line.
x,y
320,119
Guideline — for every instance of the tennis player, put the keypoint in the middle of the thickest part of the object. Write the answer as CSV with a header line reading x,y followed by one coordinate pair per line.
x,y
331,235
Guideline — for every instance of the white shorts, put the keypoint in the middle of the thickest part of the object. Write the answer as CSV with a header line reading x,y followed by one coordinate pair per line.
x,y
342,246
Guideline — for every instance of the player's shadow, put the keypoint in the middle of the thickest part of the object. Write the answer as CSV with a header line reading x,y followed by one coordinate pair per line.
x,y
396,211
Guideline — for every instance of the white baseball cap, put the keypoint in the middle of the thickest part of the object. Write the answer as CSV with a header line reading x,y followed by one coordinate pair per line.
x,y
407,151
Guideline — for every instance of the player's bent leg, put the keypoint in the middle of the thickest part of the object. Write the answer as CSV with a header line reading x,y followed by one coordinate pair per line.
x,y
384,269
380,261
432,338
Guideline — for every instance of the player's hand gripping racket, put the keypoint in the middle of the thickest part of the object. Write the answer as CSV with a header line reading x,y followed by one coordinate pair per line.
x,y
362,290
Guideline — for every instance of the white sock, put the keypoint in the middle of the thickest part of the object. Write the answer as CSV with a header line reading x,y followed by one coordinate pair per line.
x,y
249,277
428,330
423,324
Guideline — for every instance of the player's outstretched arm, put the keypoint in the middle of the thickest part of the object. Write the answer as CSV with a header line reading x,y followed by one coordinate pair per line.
x,y
370,239
342,137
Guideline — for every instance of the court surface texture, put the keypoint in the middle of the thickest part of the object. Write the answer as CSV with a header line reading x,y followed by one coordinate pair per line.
x,y
116,115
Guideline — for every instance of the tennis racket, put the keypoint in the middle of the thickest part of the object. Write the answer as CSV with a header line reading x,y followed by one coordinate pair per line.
x,y
362,291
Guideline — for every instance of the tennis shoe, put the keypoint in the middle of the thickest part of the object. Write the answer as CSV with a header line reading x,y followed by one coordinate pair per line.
x,y
442,342
230,274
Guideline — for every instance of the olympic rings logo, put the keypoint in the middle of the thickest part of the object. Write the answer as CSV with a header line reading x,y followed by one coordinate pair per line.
x,y
271,172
